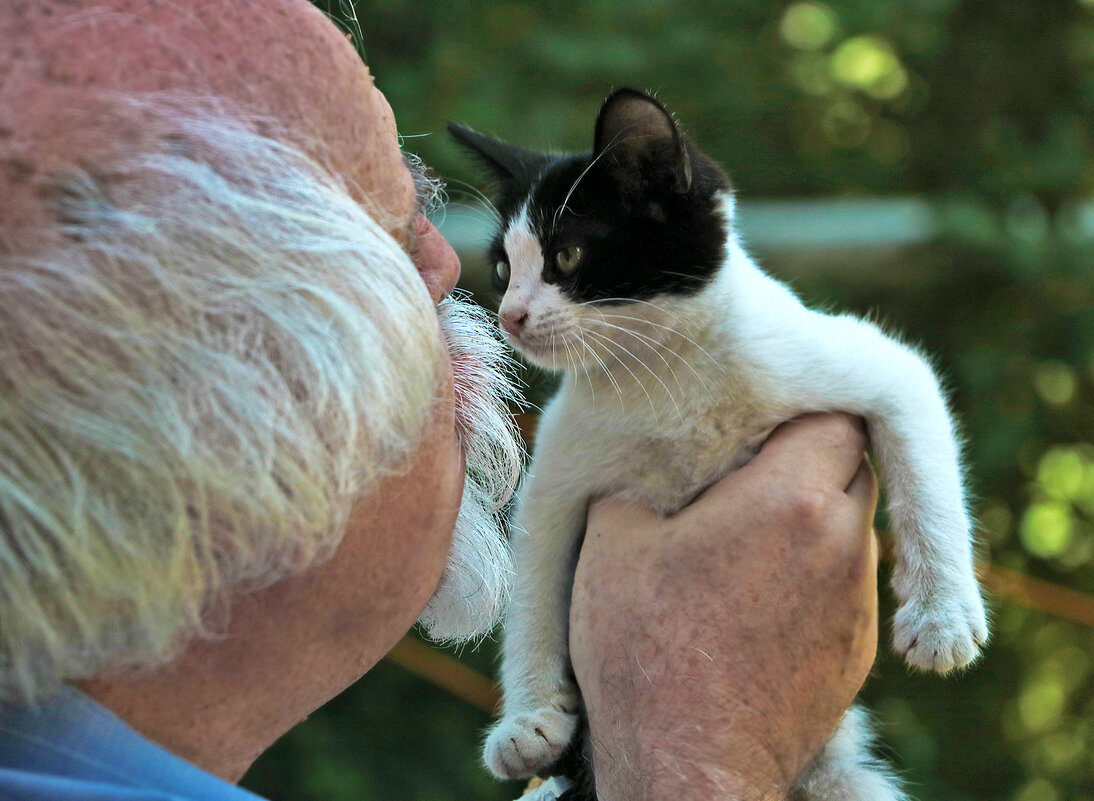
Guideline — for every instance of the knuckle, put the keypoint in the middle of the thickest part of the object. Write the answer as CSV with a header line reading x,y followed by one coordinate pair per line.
x,y
853,563
811,508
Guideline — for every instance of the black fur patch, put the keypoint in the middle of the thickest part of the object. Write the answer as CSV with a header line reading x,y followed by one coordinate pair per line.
x,y
642,205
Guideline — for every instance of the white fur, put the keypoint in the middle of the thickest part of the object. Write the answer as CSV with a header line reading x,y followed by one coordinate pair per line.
x,y
662,398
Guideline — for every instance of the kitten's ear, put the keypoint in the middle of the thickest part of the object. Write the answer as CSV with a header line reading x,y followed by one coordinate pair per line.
x,y
639,140
503,161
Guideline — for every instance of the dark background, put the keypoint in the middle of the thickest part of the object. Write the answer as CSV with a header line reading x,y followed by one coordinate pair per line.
x,y
975,115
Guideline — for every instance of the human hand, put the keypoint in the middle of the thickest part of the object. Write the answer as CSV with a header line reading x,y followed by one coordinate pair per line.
x,y
717,649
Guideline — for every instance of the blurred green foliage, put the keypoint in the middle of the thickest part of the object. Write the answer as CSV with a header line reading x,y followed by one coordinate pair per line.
x,y
981,106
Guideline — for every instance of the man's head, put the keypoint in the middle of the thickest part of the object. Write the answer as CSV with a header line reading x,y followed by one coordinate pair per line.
x,y
219,335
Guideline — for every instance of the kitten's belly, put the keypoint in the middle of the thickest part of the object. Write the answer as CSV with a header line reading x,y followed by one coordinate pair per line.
x,y
667,471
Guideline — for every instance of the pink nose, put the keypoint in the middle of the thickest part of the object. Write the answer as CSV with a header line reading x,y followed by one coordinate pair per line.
x,y
514,322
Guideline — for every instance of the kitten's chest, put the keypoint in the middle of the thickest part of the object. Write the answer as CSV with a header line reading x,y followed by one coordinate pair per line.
x,y
665,460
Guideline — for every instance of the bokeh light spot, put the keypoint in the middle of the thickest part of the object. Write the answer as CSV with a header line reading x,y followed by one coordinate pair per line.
x,y
1038,790
870,64
1072,664
1055,382
808,26
846,123
1047,528
1027,220
1060,750
1062,474
1042,702
810,73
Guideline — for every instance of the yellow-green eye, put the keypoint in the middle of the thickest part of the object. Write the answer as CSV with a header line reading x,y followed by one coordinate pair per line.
x,y
567,259
501,272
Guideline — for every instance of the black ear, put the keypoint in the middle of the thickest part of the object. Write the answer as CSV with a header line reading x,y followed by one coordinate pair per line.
x,y
640,142
503,161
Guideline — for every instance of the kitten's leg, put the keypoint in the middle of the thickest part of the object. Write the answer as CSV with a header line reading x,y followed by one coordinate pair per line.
x,y
540,706
846,770
940,623
846,364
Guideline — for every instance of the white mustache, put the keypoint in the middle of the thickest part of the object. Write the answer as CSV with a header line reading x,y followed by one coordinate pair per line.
x,y
474,589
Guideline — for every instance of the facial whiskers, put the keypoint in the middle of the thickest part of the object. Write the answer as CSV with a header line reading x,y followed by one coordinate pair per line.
x,y
574,362
475,211
656,347
486,204
659,347
592,352
609,343
685,335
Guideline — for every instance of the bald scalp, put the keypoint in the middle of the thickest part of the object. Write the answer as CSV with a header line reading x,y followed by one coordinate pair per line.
x,y
61,60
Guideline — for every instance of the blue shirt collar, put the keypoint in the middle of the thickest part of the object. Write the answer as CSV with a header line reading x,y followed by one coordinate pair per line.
x,y
70,736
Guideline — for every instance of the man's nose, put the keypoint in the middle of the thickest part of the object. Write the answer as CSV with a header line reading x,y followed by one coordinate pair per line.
x,y
435,259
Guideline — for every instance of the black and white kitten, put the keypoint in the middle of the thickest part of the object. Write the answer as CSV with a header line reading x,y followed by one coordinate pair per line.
x,y
622,269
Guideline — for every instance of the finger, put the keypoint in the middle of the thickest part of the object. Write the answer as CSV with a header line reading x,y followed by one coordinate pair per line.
x,y
815,448
863,494
863,491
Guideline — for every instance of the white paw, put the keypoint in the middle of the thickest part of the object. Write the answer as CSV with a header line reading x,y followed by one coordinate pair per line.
x,y
941,632
526,742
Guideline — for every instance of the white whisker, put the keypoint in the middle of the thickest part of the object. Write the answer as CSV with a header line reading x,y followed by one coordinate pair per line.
x,y
601,301
574,362
476,193
649,369
655,348
641,386
658,347
604,367
573,186
691,341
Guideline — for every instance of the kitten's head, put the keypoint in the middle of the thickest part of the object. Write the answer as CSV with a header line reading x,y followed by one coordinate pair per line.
x,y
591,247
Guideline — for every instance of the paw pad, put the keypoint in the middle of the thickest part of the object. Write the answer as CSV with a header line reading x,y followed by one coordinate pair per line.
x,y
524,743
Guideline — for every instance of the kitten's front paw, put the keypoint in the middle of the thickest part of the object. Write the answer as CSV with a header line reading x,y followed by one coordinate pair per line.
x,y
941,633
526,742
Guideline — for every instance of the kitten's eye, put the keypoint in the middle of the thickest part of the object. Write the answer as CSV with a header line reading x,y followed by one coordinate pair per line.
x,y
501,272
568,258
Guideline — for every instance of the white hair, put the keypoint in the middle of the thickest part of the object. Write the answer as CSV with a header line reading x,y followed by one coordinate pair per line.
x,y
474,590
196,384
